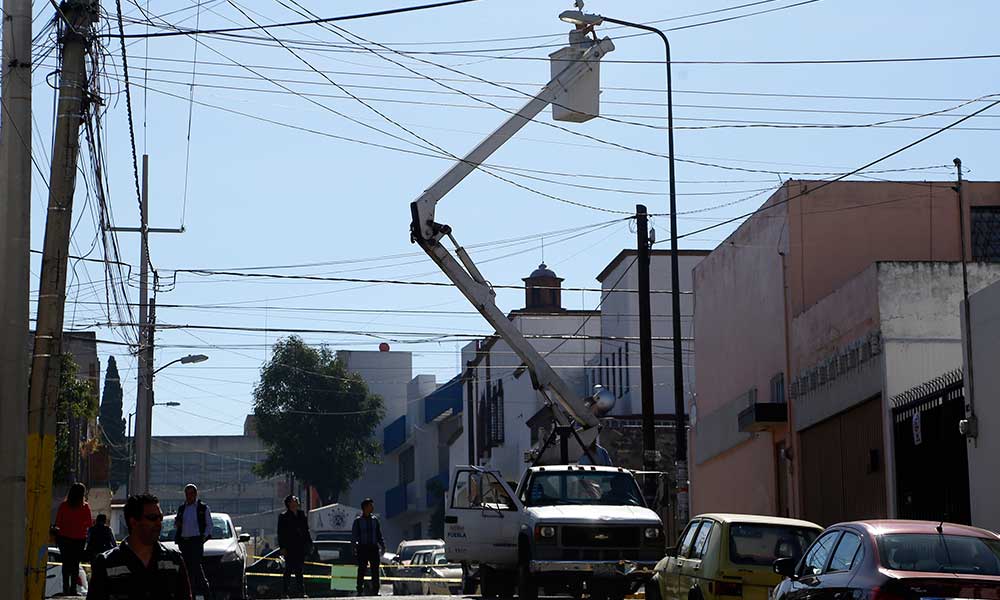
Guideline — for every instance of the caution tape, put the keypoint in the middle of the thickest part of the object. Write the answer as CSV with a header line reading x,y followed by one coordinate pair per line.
x,y
367,577
389,566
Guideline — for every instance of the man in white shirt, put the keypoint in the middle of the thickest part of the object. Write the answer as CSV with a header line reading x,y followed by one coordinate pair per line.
x,y
192,528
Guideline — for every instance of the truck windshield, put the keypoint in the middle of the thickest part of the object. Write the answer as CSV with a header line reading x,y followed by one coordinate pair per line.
x,y
583,487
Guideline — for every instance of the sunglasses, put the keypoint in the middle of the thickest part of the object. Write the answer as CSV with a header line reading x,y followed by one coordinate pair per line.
x,y
155,518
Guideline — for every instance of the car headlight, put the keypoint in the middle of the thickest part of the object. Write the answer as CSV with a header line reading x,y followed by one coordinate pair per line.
x,y
652,533
545,532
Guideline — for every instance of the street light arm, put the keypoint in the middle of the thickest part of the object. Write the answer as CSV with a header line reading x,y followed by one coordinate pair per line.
x,y
173,362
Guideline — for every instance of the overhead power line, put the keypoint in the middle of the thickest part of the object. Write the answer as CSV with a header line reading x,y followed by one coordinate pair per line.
x,y
366,15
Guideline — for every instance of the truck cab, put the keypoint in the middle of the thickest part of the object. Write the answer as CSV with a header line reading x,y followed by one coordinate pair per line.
x,y
565,528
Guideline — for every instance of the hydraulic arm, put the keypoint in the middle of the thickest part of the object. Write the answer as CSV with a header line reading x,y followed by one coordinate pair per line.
x,y
462,271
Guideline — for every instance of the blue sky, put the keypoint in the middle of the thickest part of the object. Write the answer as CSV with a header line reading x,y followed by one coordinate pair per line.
x,y
272,187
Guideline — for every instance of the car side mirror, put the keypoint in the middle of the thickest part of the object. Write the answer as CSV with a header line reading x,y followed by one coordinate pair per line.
x,y
244,538
785,567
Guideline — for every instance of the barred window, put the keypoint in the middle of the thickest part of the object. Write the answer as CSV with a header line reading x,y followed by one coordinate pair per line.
x,y
985,233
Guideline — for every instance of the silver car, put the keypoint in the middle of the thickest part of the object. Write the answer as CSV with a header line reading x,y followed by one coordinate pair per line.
x,y
225,557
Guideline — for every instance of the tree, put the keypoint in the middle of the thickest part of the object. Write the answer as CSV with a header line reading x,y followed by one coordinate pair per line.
x,y
113,425
316,419
76,401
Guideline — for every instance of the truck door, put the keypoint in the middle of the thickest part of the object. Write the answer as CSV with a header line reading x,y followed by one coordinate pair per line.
x,y
483,518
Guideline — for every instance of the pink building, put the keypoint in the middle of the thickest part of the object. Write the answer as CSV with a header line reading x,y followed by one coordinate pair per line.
x,y
809,320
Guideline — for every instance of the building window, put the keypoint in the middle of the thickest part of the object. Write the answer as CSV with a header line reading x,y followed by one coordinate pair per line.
x,y
496,414
985,233
407,471
778,388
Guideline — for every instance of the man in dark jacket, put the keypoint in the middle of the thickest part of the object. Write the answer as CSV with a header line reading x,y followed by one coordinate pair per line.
x,y
366,535
100,538
193,528
294,541
141,567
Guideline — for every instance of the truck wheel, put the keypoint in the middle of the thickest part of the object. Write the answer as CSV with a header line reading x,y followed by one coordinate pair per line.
x,y
469,583
527,587
487,582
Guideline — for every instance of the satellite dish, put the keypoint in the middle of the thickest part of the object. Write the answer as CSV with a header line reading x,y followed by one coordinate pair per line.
x,y
602,401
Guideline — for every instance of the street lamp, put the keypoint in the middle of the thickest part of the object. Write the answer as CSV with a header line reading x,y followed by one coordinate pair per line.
x,y
184,360
141,471
131,445
586,21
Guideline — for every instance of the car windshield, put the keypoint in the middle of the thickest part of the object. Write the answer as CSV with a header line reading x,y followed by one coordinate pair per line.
x,y
607,488
408,551
761,543
221,529
936,553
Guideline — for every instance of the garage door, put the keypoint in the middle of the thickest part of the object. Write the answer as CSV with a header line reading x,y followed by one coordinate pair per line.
x,y
843,471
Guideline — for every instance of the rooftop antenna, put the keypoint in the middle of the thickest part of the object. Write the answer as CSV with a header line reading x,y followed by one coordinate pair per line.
x,y
543,244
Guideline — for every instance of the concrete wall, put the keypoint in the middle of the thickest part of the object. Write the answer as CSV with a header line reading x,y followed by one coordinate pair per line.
x,y
740,344
984,452
620,318
839,230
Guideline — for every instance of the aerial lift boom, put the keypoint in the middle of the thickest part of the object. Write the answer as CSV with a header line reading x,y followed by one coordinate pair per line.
x,y
569,408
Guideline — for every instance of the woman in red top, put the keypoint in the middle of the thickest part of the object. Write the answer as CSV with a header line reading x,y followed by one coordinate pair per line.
x,y
72,522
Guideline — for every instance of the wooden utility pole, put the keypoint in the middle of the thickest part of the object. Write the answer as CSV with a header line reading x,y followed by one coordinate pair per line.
x,y
15,231
74,36
142,438
650,455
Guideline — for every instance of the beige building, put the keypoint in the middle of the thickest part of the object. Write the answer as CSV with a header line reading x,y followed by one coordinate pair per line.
x,y
804,340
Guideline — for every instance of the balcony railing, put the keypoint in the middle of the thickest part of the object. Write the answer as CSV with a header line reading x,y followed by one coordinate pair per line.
x,y
444,401
394,435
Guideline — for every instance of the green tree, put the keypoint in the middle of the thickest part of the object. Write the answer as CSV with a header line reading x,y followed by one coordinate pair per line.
x,y
316,419
113,425
76,401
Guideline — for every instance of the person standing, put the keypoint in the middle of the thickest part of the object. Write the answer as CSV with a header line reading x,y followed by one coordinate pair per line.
x,y
100,538
366,535
73,519
192,528
294,541
140,567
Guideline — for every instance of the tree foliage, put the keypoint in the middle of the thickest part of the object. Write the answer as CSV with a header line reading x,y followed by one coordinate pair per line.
x,y
76,402
113,424
316,419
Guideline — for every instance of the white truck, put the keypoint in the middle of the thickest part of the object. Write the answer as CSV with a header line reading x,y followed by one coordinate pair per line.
x,y
566,527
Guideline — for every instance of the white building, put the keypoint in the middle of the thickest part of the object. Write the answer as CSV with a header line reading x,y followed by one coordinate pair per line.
x,y
387,374
616,367
984,450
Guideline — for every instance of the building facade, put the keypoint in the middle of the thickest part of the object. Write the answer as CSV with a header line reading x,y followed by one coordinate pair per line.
x,y
222,468
803,341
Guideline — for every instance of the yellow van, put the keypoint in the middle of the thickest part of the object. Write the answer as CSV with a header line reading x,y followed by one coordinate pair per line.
x,y
728,556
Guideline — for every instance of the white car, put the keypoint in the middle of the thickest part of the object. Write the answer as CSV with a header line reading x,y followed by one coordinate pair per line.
x,y
404,556
225,559
53,575
446,576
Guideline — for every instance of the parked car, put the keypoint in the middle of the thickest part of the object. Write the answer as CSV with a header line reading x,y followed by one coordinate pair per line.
x,y
447,576
729,556
890,560
404,555
225,555
325,558
53,575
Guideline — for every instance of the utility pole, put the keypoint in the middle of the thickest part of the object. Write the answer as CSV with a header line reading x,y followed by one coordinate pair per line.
x,y
74,35
15,231
968,425
650,455
139,475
